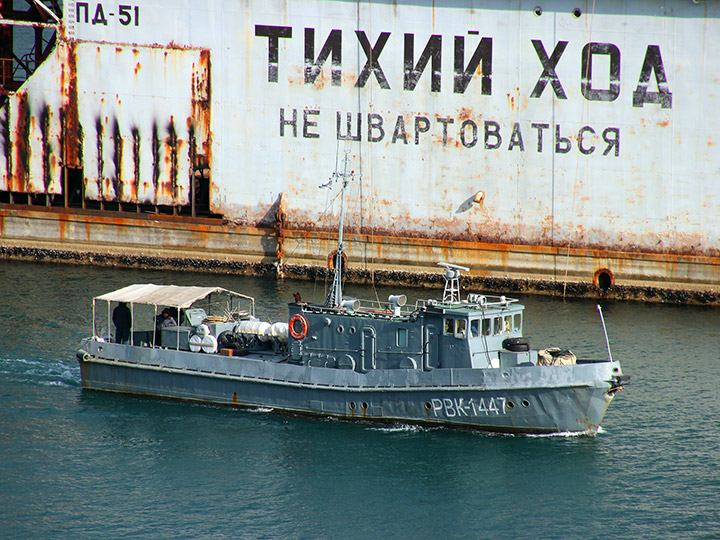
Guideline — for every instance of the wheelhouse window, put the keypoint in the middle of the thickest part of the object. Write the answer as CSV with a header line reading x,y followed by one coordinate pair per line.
x,y
507,324
455,327
498,325
475,328
486,327
517,322
460,328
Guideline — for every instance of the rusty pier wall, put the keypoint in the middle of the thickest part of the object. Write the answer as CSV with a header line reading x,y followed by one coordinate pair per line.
x,y
214,246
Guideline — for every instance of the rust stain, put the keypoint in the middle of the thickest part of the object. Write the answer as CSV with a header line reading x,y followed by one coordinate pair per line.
x,y
22,145
117,180
134,182
202,91
63,225
72,136
464,114
99,129
47,149
5,135
280,218
171,159
155,161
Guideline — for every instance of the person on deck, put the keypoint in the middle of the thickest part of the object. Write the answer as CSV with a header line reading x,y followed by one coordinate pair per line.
x,y
164,320
122,319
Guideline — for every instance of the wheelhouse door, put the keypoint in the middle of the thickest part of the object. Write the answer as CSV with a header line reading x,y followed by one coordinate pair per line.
x,y
368,348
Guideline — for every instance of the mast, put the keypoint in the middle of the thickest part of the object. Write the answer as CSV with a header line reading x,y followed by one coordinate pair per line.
x,y
334,298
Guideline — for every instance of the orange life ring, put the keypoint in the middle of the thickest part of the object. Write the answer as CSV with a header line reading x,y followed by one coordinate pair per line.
x,y
303,326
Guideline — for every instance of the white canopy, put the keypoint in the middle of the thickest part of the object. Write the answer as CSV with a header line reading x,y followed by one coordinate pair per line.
x,y
164,295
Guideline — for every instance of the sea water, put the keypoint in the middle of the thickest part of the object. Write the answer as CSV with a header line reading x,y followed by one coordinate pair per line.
x,y
78,464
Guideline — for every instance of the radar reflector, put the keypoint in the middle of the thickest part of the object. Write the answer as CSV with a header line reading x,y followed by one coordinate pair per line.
x,y
451,293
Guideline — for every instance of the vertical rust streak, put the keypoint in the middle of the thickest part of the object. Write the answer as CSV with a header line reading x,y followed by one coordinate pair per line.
x,y
135,184
201,112
81,139
47,148
100,160
280,218
192,151
72,131
7,143
63,152
156,162
172,142
22,142
117,162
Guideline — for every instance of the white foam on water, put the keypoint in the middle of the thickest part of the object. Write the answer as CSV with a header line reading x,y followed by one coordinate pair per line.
x,y
563,434
261,409
399,428
41,372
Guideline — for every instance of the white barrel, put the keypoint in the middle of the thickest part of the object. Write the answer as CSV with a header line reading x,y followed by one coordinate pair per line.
x,y
196,343
254,328
279,331
202,330
209,344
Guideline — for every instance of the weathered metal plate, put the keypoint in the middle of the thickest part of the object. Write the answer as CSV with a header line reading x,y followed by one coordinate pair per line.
x,y
555,124
580,127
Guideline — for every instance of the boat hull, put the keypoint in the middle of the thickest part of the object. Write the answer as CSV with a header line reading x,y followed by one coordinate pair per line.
x,y
553,399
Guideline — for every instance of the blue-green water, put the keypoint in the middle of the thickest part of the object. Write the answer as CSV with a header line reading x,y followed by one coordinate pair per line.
x,y
77,464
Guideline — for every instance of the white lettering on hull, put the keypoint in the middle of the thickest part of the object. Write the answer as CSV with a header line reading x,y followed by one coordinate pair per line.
x,y
460,407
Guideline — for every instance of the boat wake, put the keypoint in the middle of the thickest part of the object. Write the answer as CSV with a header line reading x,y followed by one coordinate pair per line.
x,y
261,409
41,372
400,428
568,434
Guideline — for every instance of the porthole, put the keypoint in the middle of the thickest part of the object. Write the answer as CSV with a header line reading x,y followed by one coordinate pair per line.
x,y
510,405
352,330
538,10
525,403
364,405
428,405
505,375
576,13
340,329
352,405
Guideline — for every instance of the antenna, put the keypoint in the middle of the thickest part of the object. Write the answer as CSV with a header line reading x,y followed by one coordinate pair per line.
x,y
451,293
607,341
334,298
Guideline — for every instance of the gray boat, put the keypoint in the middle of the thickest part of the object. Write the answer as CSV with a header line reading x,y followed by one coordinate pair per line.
x,y
456,362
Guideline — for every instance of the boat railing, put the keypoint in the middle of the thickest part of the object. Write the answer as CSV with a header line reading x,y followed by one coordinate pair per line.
x,y
382,308
481,301
373,308
484,300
